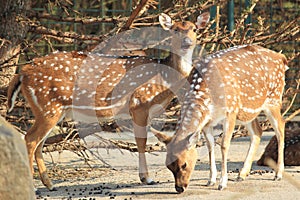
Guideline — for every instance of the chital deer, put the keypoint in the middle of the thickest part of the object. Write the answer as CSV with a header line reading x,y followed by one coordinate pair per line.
x,y
234,84
84,85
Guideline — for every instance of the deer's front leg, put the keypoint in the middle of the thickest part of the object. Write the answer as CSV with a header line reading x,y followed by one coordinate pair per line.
x,y
228,130
140,133
212,160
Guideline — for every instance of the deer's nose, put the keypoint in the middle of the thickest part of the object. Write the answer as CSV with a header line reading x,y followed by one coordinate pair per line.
x,y
179,189
187,42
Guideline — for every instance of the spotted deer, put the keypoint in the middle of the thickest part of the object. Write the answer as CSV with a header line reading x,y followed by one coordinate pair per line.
x,y
232,85
89,86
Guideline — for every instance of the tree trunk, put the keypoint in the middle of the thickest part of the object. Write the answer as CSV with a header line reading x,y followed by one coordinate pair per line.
x,y
12,32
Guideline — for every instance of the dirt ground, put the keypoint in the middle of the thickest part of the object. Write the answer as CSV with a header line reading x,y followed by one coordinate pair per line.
x,y
76,180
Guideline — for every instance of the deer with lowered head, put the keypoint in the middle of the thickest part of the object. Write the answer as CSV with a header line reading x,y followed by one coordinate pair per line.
x,y
83,85
235,84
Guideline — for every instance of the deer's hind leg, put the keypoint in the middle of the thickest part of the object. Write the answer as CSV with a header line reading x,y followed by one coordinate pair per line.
x,y
255,132
35,139
42,167
274,115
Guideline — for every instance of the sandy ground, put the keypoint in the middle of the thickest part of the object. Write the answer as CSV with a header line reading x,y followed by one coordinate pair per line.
x,y
75,180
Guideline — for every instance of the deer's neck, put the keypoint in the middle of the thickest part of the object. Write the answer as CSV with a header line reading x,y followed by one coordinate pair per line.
x,y
182,63
197,107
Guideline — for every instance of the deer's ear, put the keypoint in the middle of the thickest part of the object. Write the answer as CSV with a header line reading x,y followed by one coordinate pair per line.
x,y
161,136
191,140
202,20
165,21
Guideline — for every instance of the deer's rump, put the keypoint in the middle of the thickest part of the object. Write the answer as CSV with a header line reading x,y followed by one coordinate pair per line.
x,y
291,150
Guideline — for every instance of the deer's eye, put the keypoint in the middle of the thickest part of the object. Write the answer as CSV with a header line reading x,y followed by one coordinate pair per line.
x,y
176,31
195,30
183,166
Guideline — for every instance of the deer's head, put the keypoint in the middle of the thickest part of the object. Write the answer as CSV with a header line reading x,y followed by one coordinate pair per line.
x,y
184,33
181,157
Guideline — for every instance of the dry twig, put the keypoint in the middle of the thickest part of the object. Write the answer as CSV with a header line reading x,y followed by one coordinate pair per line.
x,y
293,99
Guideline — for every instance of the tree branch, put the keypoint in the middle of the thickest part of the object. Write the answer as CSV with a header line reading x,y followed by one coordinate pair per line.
x,y
45,31
81,20
293,99
294,114
136,12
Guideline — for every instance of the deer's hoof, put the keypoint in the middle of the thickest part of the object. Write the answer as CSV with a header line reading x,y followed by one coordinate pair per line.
x,y
37,192
277,178
148,181
151,183
54,189
239,179
210,183
221,187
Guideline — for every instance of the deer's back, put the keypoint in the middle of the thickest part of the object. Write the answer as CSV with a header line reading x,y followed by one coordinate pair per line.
x,y
244,79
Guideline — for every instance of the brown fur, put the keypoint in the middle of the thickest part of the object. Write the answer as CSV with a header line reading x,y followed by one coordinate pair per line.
x,y
101,86
233,84
291,149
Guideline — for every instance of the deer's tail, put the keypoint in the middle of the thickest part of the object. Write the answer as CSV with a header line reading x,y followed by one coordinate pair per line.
x,y
13,91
